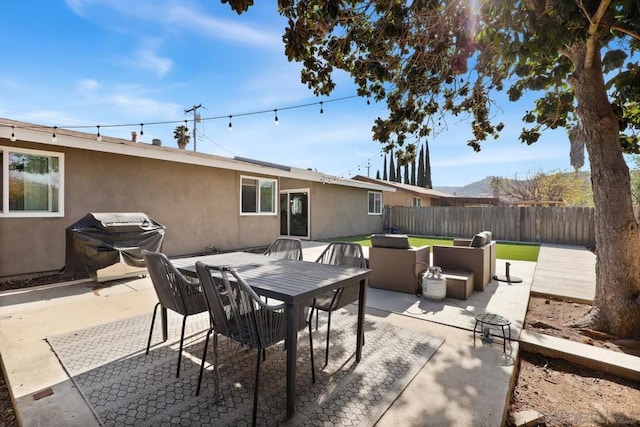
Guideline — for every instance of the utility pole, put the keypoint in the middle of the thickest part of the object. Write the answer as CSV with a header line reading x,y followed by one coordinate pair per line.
x,y
194,109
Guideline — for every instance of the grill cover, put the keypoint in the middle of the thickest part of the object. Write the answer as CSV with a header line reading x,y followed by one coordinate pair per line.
x,y
102,239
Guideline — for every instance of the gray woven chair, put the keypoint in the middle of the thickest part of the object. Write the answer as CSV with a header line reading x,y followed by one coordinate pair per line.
x,y
239,314
285,247
338,253
174,292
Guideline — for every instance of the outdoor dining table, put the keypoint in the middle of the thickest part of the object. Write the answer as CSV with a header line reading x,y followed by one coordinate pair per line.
x,y
295,283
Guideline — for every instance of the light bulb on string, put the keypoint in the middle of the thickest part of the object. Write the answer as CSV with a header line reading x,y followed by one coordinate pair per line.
x,y
321,109
98,136
13,134
230,125
141,129
368,102
186,129
276,121
54,138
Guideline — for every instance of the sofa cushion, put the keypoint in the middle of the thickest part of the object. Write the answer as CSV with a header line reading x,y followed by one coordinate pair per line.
x,y
395,241
478,240
489,235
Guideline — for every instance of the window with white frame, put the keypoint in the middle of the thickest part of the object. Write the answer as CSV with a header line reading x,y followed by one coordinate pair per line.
x,y
31,182
375,203
258,195
417,202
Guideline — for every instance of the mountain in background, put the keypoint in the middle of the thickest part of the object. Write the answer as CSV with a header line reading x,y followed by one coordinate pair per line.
x,y
480,188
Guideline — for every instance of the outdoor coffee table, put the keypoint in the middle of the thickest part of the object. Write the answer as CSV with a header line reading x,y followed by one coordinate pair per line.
x,y
496,320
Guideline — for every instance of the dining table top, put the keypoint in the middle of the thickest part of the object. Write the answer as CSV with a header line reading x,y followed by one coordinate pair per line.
x,y
290,281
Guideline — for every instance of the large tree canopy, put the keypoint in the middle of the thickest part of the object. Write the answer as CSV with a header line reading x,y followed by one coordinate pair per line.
x,y
429,59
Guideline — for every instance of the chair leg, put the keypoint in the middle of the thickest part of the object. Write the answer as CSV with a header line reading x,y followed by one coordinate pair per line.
x,y
184,324
313,367
216,379
255,392
204,358
153,319
326,353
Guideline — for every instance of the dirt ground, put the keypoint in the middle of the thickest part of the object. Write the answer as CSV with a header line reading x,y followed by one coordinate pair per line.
x,y
565,394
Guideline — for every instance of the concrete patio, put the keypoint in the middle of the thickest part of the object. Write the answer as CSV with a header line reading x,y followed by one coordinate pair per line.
x,y
462,385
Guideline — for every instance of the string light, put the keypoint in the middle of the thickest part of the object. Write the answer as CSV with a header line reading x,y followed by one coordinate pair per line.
x,y
277,122
54,138
98,137
321,109
230,125
13,134
186,132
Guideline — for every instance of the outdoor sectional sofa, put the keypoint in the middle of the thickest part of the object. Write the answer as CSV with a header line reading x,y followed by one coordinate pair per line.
x,y
394,263
477,255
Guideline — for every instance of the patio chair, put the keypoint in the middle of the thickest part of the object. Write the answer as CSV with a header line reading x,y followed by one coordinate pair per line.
x,y
239,314
174,292
338,253
286,247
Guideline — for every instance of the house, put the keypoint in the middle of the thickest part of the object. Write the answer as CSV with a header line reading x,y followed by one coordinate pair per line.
x,y
52,177
415,196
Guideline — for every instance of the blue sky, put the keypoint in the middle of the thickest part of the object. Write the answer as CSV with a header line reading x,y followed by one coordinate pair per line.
x,y
105,62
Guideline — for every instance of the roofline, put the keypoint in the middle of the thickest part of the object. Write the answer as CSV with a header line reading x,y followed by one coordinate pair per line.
x,y
424,192
33,133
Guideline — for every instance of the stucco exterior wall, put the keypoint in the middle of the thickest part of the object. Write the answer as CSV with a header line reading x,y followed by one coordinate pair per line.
x,y
198,205
341,211
402,198
336,211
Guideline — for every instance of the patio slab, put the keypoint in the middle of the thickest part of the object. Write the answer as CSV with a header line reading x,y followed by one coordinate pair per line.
x,y
463,384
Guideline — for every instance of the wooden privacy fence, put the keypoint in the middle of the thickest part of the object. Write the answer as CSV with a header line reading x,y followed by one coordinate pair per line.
x,y
562,225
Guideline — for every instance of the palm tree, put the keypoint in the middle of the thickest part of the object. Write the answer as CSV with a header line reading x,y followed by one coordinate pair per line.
x,y
181,135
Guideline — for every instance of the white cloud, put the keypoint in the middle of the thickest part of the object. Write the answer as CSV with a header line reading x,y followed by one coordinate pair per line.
x,y
147,59
88,85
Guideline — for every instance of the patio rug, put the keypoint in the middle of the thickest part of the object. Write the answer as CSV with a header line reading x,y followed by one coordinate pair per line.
x,y
123,386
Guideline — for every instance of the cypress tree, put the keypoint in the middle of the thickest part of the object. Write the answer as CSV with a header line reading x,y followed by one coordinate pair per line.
x,y
392,168
420,182
378,174
413,171
406,173
427,167
384,168
398,174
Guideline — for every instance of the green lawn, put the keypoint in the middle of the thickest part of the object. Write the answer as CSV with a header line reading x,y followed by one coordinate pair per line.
x,y
510,251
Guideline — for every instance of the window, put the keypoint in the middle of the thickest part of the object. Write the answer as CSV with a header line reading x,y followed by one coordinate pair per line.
x,y
417,202
375,203
258,196
31,182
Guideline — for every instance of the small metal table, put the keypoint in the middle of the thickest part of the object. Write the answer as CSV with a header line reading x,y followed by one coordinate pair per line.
x,y
493,320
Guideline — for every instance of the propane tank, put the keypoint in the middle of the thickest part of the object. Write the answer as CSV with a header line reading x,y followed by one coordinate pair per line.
x,y
434,286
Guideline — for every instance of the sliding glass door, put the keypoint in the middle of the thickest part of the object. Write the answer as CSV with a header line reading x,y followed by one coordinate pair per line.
x,y
294,213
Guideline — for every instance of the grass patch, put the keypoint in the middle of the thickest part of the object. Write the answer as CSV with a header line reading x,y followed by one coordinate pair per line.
x,y
504,250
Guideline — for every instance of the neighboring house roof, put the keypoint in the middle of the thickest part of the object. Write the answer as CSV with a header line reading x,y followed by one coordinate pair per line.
x,y
30,132
414,189
433,194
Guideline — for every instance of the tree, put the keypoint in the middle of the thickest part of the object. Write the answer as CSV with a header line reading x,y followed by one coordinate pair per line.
x,y
420,180
181,135
413,171
384,168
564,188
378,174
427,167
416,56
392,168
398,173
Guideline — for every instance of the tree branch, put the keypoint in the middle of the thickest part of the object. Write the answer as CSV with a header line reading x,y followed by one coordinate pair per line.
x,y
594,22
627,32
